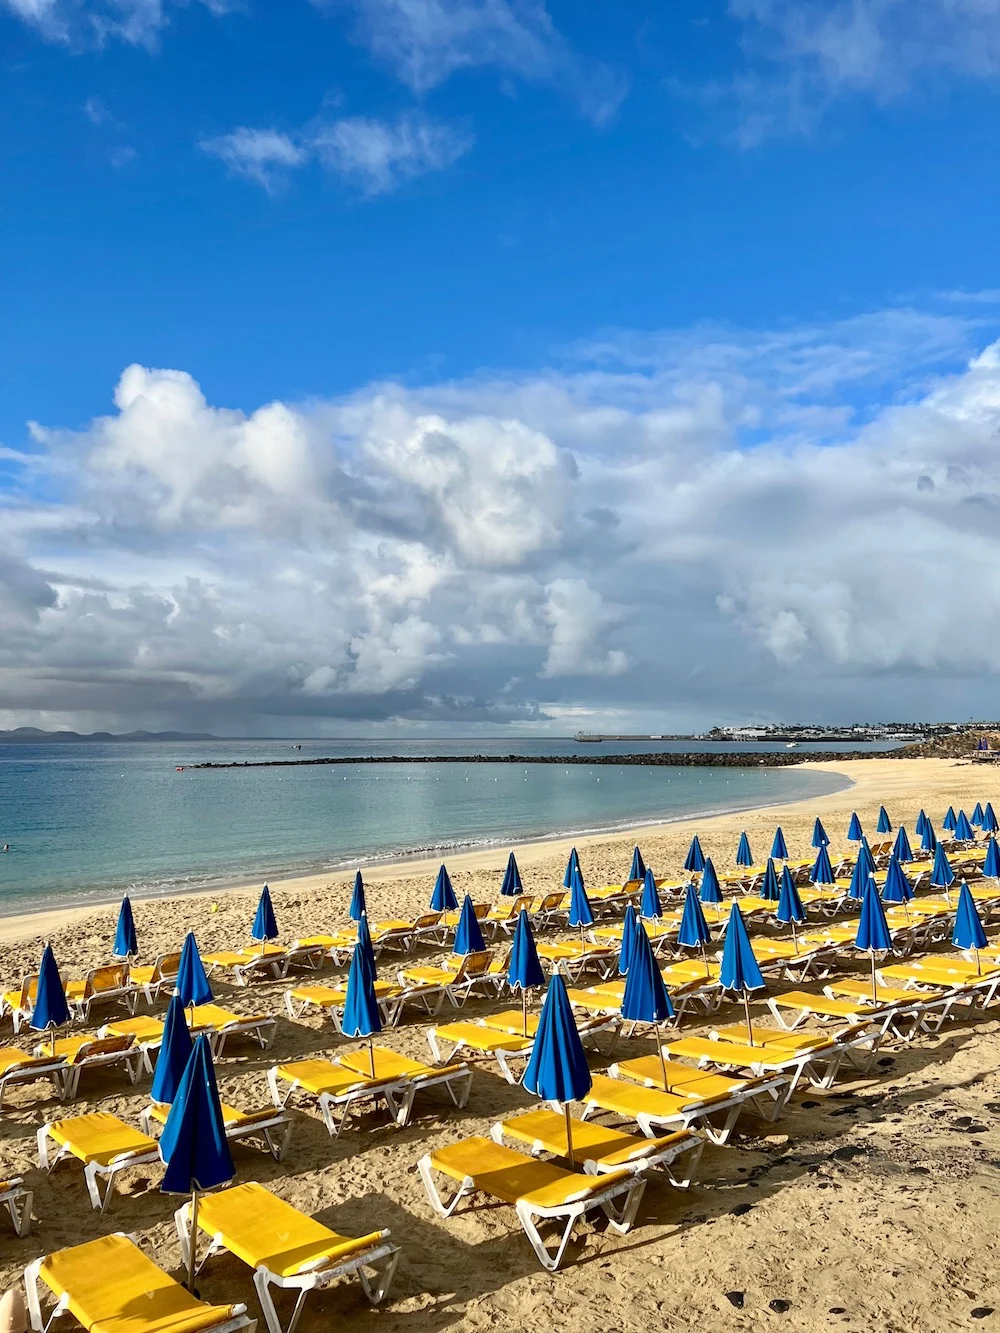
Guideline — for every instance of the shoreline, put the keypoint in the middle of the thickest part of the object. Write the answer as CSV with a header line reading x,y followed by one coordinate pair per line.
x,y
398,865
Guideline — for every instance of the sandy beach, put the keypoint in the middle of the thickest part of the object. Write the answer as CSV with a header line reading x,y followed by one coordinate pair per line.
x,y
872,1205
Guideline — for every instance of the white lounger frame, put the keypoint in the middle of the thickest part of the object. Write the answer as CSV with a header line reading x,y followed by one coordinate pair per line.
x,y
644,1158
275,1131
93,1172
17,1201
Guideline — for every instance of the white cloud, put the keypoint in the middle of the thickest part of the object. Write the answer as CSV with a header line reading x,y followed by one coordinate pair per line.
x,y
260,155
713,524
135,22
378,156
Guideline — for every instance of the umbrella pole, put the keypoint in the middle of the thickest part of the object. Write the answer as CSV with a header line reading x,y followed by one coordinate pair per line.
x,y
663,1058
746,1006
979,970
569,1133
524,1012
704,955
874,985
193,1243
52,1038
795,938
371,1055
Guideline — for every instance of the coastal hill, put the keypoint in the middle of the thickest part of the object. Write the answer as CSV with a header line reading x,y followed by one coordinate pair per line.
x,y
35,736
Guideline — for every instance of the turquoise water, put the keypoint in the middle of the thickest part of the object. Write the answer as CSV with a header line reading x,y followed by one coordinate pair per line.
x,y
86,821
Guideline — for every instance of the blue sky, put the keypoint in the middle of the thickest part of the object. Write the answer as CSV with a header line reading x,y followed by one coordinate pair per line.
x,y
492,281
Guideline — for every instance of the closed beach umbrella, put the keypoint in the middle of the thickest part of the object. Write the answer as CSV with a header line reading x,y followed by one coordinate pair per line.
x,y
361,1013
637,870
192,983
822,871
557,1070
901,847
884,824
695,859
646,999
949,820
865,856
964,831
790,911
859,879
524,971
364,942
443,898
694,932
770,890
572,864
968,932
511,886
991,865
710,891
51,1010
126,945
193,1143
580,913
942,875
819,838
739,970
625,953
989,824
854,830
469,935
359,907
779,848
649,904
921,824
873,930
897,888
174,1053
976,818
264,925
928,839
744,856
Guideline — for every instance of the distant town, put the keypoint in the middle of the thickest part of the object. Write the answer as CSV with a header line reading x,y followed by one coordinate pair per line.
x,y
793,733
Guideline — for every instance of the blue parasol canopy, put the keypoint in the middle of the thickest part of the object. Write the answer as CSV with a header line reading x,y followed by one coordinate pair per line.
x,y
637,870
359,907
928,839
193,1143
770,890
192,983
710,891
693,931
264,925
627,950
524,971
695,859
942,875
968,932
649,904
991,865
859,878
897,888
873,929
51,1009
976,818
819,838
361,1013
789,909
884,824
739,970
822,871
364,942
949,821
580,913
989,824
572,864
511,886
469,935
865,856
126,945
557,1070
645,999
173,1055
854,830
921,824
964,831
901,847
744,856
443,898
779,848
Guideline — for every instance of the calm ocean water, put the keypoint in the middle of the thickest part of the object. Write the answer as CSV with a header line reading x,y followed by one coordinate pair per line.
x,y
85,821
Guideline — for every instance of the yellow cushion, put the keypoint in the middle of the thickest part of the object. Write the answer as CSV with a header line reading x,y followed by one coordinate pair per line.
x,y
99,1136
511,1176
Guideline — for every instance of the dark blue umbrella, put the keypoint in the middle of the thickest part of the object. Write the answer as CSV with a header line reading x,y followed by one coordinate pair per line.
x,y
264,925
649,904
637,870
174,1053
968,932
744,856
942,875
739,970
884,824
790,911
991,865
822,871
646,999
443,898
865,856
976,818
873,929
524,971
989,824
859,879
779,848
557,1069
192,983
854,830
579,904
694,932
361,1013
364,941
193,1143
695,859
964,831
901,847
710,891
819,838
949,820
770,890
897,888
572,864
511,886
628,941
359,907
921,824
126,944
51,1010
469,935
928,839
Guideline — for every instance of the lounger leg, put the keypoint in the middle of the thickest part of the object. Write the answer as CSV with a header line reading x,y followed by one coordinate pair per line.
x,y
718,1135
90,1173
276,1096
260,1281
38,1323
526,1217
445,1209
20,1212
621,1219
691,1158
278,1146
435,1045
384,1271
42,1139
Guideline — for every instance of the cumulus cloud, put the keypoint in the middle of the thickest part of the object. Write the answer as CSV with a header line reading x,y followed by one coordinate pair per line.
x,y
135,22
259,155
676,528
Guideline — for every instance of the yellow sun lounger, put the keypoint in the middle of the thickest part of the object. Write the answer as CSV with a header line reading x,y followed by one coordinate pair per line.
x,y
161,975
414,1076
272,1127
17,1200
82,1053
339,1091
110,1286
221,1024
463,975
285,1248
819,1059
466,1037
599,1148
330,1000
102,985
653,1109
936,1004
20,1067
537,1190
796,1007
577,957
103,1143
267,962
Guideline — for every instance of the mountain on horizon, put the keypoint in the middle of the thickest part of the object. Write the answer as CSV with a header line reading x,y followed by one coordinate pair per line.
x,y
29,735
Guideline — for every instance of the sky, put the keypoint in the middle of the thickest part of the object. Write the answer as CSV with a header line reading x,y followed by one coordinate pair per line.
x,y
494,366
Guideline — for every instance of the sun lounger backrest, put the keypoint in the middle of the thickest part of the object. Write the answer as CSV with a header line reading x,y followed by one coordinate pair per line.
x,y
476,964
426,920
113,977
167,965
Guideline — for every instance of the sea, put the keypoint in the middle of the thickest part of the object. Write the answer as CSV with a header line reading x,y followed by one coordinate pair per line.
x,y
86,821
